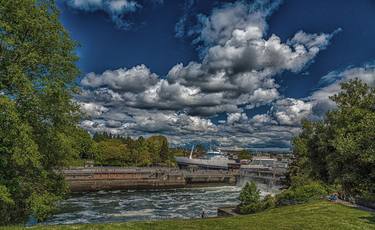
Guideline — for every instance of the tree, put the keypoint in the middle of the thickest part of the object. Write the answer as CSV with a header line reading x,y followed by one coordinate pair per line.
x,y
84,143
250,199
143,155
37,80
117,150
164,150
159,149
244,155
340,149
112,152
249,194
23,180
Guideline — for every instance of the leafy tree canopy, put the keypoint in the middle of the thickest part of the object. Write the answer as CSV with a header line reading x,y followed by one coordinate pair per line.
x,y
116,150
245,155
37,114
249,194
340,149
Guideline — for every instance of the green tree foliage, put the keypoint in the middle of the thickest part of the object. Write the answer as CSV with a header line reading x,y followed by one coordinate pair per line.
x,y
302,193
340,150
249,194
23,179
244,155
123,151
112,152
181,152
84,144
250,199
38,117
6,204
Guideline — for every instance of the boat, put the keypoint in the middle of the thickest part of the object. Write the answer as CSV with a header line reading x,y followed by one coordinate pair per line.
x,y
211,160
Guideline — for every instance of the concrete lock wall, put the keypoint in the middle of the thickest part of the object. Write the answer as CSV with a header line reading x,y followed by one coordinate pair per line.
x,y
94,179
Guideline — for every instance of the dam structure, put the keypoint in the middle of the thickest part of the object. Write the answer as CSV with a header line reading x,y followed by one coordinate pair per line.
x,y
116,178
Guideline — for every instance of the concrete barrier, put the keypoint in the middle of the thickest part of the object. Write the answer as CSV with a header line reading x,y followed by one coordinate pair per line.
x,y
111,178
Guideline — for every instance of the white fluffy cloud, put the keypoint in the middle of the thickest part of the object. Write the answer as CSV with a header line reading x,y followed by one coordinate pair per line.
x,y
291,111
136,79
88,5
116,9
239,62
92,109
320,98
232,18
236,74
236,117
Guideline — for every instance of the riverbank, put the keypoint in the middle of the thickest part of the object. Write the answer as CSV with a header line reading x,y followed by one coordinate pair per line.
x,y
316,215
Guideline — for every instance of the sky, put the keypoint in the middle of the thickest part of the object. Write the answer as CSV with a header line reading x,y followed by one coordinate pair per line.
x,y
239,74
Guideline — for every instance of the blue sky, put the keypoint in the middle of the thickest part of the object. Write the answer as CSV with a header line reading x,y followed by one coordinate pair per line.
x,y
238,73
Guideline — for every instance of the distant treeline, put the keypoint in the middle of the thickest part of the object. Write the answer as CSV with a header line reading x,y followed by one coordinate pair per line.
x,y
115,150
106,149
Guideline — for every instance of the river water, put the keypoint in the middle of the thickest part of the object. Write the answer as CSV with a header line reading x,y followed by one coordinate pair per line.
x,y
130,205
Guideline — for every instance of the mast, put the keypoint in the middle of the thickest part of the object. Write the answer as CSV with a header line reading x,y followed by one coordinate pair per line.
x,y
191,152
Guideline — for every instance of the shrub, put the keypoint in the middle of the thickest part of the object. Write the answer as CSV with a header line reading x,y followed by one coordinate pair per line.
x,y
250,199
251,208
251,202
6,204
268,202
42,205
249,194
302,194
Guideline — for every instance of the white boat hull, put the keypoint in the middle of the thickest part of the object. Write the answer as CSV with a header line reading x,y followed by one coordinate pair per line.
x,y
204,163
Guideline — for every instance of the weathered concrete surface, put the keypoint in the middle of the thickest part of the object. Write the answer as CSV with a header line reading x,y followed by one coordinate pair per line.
x,y
203,177
227,211
104,178
110,178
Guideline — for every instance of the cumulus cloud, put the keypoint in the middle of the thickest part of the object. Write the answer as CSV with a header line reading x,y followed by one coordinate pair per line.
x,y
236,74
92,109
331,85
239,62
219,27
236,117
291,111
116,9
136,79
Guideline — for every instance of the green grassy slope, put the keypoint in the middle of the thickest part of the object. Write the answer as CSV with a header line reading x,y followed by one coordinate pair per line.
x,y
316,215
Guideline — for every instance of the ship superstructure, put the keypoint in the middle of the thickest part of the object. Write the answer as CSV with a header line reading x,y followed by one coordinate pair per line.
x,y
211,160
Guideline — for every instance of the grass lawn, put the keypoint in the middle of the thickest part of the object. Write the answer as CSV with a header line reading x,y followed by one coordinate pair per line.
x,y
316,215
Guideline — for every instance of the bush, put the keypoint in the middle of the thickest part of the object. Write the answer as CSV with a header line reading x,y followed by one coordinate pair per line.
x,y
268,202
251,202
250,199
251,208
6,204
302,194
42,205
249,194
